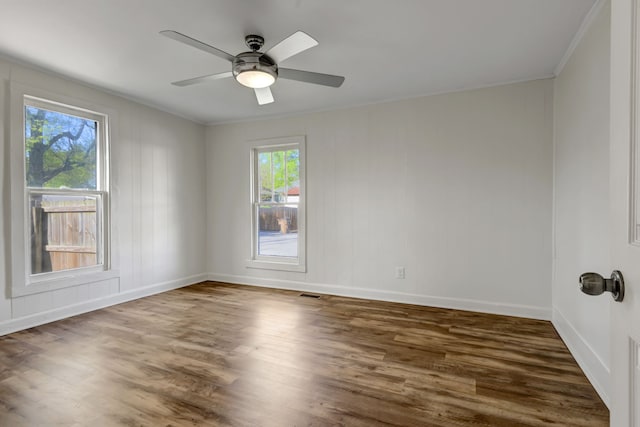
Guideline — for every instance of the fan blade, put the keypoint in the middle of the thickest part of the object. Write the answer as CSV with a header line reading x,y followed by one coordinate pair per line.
x,y
202,79
310,77
292,45
264,95
197,44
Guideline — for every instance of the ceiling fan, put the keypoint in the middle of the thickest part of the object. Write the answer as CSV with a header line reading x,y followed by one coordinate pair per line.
x,y
258,70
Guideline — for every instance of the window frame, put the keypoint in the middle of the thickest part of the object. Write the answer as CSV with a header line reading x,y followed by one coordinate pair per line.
x,y
295,264
23,280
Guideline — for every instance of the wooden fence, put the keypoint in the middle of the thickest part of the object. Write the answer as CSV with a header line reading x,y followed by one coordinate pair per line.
x,y
64,235
279,218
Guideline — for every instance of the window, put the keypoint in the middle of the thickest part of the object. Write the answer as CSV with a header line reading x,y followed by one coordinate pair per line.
x,y
65,175
278,204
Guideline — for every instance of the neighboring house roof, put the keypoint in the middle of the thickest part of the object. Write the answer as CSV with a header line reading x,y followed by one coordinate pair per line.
x,y
294,191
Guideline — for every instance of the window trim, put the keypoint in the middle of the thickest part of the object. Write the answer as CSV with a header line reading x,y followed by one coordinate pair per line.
x,y
23,282
297,264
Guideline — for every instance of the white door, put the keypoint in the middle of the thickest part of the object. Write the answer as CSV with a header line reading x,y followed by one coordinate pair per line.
x,y
625,211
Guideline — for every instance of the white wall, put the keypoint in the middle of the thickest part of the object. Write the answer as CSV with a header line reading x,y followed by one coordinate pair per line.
x,y
581,209
457,188
158,197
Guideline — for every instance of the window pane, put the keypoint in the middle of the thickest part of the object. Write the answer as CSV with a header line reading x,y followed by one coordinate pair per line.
x,y
271,173
279,176
60,150
293,176
63,232
265,177
278,231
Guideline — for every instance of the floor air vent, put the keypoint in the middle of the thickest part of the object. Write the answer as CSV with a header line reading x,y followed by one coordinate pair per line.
x,y
310,296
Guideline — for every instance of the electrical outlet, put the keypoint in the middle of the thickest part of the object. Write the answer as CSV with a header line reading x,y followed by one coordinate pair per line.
x,y
399,272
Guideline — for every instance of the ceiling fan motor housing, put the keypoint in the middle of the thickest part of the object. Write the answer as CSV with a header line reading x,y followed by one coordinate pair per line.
x,y
254,61
254,42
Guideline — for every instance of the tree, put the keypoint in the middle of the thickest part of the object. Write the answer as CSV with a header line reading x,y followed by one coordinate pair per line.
x,y
60,150
279,171
60,153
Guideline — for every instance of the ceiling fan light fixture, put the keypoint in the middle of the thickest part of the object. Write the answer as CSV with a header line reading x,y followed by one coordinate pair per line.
x,y
255,79
255,70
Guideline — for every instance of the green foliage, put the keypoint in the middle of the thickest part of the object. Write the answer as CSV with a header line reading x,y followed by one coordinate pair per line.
x,y
60,150
278,172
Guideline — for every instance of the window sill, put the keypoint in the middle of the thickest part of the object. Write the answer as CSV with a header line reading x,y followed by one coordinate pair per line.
x,y
74,278
272,265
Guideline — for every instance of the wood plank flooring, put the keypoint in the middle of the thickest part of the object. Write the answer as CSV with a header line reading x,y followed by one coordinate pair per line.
x,y
228,355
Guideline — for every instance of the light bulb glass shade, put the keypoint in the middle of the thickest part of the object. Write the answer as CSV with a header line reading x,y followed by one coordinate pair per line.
x,y
255,79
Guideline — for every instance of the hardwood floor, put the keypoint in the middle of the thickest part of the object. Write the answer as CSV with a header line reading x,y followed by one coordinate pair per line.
x,y
219,354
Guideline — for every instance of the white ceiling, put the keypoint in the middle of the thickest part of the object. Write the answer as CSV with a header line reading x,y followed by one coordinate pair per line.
x,y
386,49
